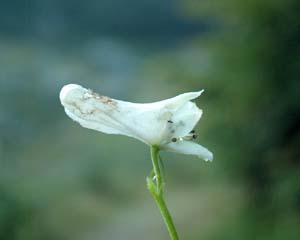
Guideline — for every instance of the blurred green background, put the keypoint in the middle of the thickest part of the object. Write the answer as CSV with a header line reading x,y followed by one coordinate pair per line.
x,y
60,181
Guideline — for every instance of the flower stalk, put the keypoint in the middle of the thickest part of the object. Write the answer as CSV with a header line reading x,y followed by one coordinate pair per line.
x,y
156,189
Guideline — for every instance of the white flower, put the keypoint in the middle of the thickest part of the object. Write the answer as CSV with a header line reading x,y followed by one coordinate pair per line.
x,y
167,124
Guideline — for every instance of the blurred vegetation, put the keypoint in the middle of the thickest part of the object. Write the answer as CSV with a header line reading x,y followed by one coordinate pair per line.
x,y
257,65
60,181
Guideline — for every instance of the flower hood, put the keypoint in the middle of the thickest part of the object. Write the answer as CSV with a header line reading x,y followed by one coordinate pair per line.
x,y
167,124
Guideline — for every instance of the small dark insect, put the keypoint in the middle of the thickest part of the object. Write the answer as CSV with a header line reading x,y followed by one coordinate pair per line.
x,y
169,121
174,139
193,131
194,136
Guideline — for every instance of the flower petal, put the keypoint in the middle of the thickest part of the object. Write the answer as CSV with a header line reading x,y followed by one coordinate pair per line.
x,y
191,148
94,125
165,110
96,112
185,119
176,102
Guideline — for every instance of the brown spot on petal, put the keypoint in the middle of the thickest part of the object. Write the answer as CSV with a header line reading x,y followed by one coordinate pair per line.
x,y
104,99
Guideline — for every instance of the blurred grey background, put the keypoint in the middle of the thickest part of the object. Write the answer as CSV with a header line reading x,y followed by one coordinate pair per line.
x,y
60,181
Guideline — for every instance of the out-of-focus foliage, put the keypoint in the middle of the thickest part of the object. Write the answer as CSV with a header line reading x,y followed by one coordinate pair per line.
x,y
255,78
60,181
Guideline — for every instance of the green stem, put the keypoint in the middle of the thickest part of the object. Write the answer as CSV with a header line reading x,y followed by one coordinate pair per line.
x,y
157,192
